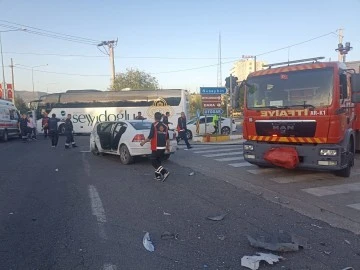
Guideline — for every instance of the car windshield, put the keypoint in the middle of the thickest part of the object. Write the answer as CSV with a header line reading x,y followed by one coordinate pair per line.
x,y
290,89
140,125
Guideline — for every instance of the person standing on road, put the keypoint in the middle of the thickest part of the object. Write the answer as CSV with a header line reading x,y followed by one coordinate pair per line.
x,y
159,138
53,130
69,133
23,124
215,123
45,125
182,129
165,119
32,127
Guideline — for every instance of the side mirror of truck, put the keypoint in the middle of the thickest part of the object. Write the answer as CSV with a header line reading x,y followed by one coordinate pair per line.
x,y
355,85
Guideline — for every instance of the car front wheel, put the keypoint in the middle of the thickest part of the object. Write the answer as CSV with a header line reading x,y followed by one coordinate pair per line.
x,y
225,131
125,156
189,134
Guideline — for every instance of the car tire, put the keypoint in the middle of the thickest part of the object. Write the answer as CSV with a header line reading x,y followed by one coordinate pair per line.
x,y
5,136
166,156
125,157
95,151
225,131
189,134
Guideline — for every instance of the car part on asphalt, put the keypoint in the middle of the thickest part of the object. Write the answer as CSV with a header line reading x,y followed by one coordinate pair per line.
x,y
253,262
274,245
217,218
148,245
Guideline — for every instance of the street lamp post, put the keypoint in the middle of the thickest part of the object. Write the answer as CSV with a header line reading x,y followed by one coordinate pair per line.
x,y
2,60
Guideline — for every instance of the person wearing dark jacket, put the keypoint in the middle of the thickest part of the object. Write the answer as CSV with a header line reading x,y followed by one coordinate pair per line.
x,y
23,124
69,133
181,127
159,138
165,119
53,130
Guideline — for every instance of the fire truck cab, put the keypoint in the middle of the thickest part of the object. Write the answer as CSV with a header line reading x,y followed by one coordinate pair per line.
x,y
303,114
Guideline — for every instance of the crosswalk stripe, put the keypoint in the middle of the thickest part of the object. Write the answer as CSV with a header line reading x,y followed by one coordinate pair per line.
x,y
224,154
332,190
264,171
242,164
195,148
355,206
214,150
230,159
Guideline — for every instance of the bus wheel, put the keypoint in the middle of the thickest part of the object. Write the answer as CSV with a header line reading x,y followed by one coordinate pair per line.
x,y
346,172
125,156
5,136
62,129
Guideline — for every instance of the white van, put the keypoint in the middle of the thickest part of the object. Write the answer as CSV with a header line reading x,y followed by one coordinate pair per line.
x,y
9,119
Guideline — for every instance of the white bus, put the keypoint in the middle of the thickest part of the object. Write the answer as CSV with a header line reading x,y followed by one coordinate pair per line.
x,y
88,107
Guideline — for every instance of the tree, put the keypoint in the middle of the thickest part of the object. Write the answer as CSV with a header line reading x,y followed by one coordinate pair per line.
x,y
195,104
134,79
21,105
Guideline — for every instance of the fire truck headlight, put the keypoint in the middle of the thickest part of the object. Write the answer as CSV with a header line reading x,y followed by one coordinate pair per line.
x,y
328,152
248,147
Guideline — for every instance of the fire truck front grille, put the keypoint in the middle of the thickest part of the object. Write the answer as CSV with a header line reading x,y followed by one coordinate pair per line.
x,y
286,128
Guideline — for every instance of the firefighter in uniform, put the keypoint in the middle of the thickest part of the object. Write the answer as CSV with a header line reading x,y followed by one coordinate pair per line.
x,y
159,138
69,133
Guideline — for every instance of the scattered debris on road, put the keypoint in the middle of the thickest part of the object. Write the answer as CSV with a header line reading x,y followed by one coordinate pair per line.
x,y
274,245
282,200
316,226
221,237
11,213
168,235
147,243
327,252
217,218
56,170
347,242
253,262
167,214
348,268
191,174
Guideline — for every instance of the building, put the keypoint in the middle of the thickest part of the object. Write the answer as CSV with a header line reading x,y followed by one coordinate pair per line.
x,y
244,67
354,65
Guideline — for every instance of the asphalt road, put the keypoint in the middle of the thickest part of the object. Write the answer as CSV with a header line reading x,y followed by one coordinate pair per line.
x,y
68,209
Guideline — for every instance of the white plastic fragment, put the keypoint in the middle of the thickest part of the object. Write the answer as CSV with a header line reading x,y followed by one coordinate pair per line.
x,y
167,214
191,174
56,170
253,262
147,243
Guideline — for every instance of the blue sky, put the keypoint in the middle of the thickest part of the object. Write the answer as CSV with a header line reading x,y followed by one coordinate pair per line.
x,y
165,28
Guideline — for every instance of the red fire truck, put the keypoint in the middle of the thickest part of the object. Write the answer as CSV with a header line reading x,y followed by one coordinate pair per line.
x,y
303,114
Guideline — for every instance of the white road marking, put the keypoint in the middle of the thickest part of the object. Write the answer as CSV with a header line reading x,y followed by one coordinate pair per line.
x,y
291,178
85,151
215,147
265,170
230,159
332,190
109,267
215,150
224,154
242,164
355,206
98,210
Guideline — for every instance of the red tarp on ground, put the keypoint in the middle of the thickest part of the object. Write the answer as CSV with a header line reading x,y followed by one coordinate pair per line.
x,y
285,157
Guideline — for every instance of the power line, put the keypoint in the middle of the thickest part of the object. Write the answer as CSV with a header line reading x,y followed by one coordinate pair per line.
x,y
51,32
200,67
61,73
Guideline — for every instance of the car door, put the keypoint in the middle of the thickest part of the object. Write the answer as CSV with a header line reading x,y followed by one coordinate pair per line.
x,y
118,130
104,131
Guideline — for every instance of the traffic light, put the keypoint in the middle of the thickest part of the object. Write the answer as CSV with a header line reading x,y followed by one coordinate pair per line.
x,y
233,83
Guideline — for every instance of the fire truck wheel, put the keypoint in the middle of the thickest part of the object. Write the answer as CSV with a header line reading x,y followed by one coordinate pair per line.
x,y
346,172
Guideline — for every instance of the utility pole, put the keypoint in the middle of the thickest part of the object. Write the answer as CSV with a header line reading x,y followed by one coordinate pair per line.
x,y
12,80
3,70
340,35
108,47
255,63
231,101
219,71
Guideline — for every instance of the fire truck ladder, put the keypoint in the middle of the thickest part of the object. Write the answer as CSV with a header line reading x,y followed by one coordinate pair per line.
x,y
313,60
